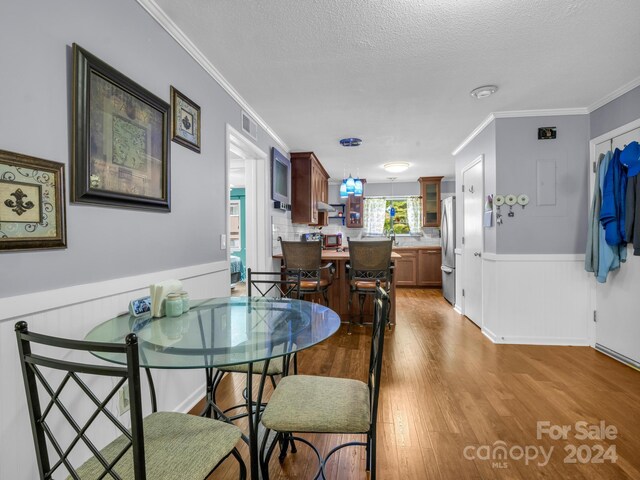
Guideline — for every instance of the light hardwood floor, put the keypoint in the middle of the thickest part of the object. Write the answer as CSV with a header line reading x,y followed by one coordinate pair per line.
x,y
446,387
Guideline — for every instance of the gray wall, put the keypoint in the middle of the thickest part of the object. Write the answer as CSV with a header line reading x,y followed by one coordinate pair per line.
x,y
483,144
538,229
616,113
107,243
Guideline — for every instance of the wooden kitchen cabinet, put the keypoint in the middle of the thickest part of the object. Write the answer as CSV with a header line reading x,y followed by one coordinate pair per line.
x,y
406,268
309,185
355,209
419,267
429,262
430,191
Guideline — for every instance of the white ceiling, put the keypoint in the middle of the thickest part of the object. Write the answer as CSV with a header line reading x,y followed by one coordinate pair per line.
x,y
397,73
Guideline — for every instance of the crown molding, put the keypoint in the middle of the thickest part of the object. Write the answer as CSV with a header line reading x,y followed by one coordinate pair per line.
x,y
476,131
553,112
185,42
548,113
615,94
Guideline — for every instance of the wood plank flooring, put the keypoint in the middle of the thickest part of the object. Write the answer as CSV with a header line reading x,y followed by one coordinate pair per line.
x,y
447,388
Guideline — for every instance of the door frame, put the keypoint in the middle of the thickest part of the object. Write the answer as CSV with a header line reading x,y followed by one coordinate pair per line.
x,y
258,249
593,143
469,166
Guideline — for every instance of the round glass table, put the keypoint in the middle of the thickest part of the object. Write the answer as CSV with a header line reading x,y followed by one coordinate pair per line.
x,y
221,332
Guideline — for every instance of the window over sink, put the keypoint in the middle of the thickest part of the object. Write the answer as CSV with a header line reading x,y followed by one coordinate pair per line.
x,y
406,218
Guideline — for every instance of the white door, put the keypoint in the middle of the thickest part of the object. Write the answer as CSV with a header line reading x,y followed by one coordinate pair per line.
x,y
617,300
472,179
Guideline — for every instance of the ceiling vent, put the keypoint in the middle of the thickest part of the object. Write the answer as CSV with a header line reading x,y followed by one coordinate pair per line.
x,y
249,126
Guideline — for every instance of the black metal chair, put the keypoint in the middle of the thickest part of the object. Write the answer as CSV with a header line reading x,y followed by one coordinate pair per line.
x,y
161,445
264,284
306,257
314,404
369,262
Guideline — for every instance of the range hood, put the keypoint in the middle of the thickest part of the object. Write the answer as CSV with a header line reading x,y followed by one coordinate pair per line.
x,y
324,207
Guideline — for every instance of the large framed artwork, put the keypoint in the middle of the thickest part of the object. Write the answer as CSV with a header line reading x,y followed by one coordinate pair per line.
x,y
32,205
121,154
185,121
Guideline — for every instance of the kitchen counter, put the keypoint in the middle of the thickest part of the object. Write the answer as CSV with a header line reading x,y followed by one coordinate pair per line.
x,y
339,289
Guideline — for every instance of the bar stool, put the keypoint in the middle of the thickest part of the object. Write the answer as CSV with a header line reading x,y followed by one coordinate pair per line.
x,y
369,261
306,257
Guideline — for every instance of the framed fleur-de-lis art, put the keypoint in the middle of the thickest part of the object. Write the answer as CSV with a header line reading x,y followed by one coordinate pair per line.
x,y
185,121
32,203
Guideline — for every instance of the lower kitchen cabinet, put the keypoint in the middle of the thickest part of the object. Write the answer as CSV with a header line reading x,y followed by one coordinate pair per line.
x,y
406,268
429,262
419,267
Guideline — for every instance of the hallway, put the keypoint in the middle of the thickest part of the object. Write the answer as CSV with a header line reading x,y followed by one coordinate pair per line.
x,y
447,390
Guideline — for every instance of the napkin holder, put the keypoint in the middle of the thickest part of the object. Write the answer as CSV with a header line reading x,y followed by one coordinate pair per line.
x,y
159,292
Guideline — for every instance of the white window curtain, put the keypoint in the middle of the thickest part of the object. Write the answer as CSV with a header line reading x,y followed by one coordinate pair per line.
x,y
414,214
374,215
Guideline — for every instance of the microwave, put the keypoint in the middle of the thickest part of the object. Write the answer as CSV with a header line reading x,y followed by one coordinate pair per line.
x,y
332,241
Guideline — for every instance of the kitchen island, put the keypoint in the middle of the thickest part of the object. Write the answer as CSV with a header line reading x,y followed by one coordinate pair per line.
x,y
339,289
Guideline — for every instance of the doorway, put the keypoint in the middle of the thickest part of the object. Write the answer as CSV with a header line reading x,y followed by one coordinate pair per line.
x,y
472,240
247,220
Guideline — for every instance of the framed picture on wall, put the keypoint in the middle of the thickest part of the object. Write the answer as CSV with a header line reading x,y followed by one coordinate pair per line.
x,y
32,204
185,121
121,154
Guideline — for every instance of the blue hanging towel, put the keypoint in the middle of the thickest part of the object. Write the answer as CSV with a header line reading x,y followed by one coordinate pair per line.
x,y
612,213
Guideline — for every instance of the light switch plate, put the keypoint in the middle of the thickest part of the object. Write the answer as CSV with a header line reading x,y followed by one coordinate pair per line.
x,y
223,241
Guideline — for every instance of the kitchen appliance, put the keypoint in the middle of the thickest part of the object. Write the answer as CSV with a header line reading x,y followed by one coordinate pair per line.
x,y
332,240
448,243
312,237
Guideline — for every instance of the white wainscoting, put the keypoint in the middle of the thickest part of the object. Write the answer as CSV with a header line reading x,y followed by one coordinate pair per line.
x,y
536,299
72,312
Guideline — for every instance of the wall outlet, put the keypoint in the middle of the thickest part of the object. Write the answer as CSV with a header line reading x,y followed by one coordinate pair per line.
x,y
223,241
123,400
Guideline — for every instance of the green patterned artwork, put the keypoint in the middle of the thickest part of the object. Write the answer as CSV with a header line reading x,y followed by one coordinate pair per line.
x,y
129,144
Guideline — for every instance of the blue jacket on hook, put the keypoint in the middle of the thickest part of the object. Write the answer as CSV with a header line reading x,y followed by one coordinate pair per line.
x,y
612,213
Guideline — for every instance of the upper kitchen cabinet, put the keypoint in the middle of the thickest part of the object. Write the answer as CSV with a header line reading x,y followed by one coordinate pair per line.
x,y
309,185
355,209
430,191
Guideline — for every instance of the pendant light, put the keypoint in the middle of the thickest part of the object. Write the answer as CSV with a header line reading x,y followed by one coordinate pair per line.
x,y
351,185
357,191
343,189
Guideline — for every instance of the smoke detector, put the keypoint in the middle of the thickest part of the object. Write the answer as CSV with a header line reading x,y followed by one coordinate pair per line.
x,y
484,92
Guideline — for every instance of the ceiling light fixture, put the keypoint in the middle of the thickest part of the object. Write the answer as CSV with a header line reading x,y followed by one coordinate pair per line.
x,y
396,167
351,142
484,91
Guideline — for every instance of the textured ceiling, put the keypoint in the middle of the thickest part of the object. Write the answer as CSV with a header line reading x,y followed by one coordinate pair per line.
x,y
397,73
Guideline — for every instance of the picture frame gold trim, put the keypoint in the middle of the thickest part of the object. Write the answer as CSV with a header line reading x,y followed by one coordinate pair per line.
x,y
31,174
121,150
193,110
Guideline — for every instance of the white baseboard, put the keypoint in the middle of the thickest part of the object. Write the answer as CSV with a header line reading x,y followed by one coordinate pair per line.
x,y
490,335
457,309
30,303
191,401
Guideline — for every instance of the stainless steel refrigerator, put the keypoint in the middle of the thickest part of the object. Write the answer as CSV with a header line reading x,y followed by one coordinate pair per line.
x,y
448,243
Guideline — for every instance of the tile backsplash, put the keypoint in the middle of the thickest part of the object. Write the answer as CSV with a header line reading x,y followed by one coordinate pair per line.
x,y
281,226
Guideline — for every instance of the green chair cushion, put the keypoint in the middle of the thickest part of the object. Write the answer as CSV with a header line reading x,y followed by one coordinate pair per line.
x,y
176,446
275,367
313,404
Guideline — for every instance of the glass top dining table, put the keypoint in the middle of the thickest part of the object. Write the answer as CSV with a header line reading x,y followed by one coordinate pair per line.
x,y
221,331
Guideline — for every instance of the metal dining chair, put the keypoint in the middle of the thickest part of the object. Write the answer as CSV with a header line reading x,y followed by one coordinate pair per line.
x,y
315,404
306,257
369,262
261,284
161,445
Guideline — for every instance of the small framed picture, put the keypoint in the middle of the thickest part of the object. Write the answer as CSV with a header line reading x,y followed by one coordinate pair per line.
x,y
185,121
32,204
